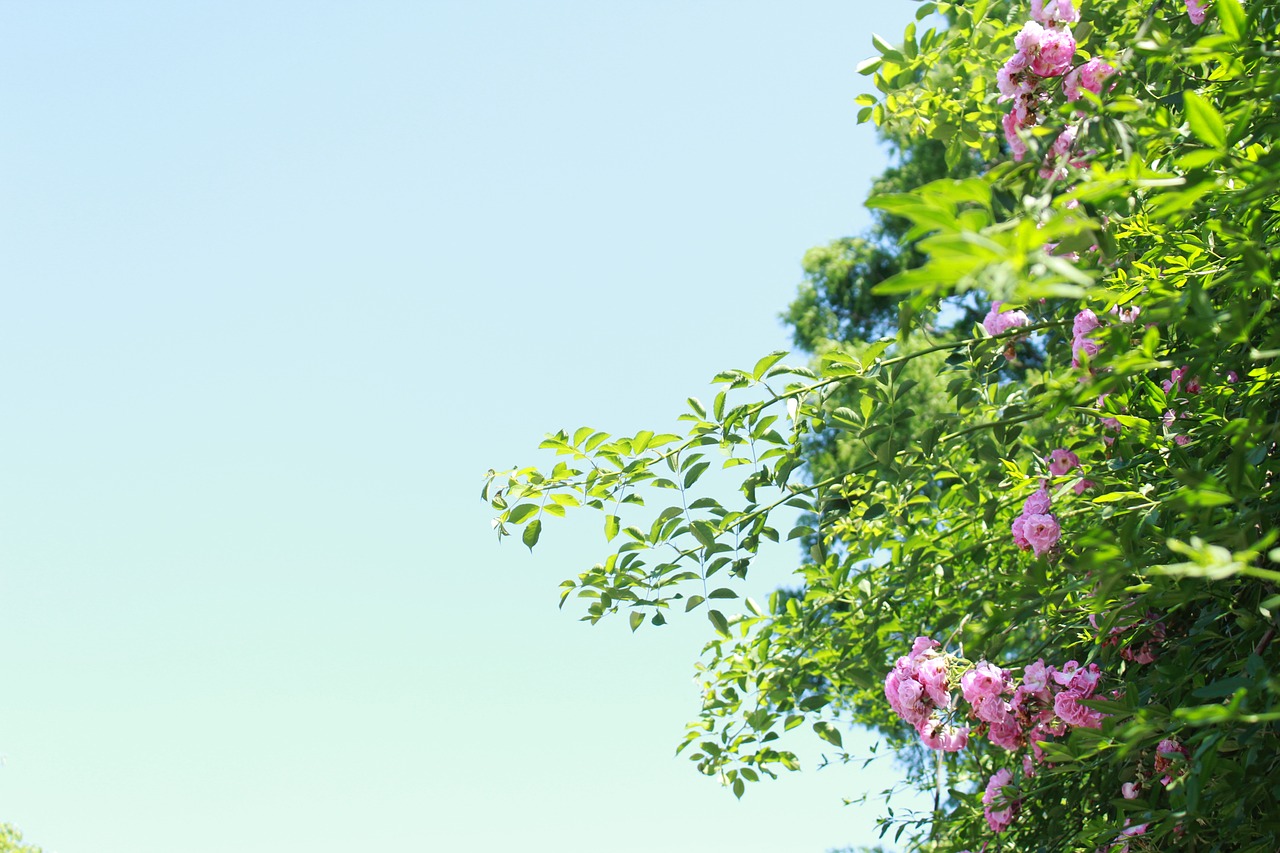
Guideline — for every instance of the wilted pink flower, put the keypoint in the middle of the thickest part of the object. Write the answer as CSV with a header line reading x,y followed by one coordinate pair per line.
x,y
937,735
1061,461
1128,832
1038,503
999,806
1196,10
1042,531
1081,486
1089,76
1168,754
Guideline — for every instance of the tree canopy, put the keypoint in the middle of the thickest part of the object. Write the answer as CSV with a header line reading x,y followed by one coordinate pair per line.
x,y
1036,450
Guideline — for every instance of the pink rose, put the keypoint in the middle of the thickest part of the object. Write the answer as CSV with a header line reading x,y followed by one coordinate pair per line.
x,y
1088,76
1060,462
935,735
1196,10
999,805
1038,503
1042,531
1019,533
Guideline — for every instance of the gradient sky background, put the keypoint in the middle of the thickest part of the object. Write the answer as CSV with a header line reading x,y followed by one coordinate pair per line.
x,y
281,281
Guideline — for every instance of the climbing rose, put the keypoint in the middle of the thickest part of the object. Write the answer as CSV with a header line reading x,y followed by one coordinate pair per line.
x,y
1196,10
1038,503
935,735
1019,533
1061,461
1089,76
998,321
1049,51
1042,531
998,807
1054,12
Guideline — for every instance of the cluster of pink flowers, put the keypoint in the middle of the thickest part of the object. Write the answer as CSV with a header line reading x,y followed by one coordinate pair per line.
x,y
1081,343
918,691
998,805
1037,529
1045,48
1044,705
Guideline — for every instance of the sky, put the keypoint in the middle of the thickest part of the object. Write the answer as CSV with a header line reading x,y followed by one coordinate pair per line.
x,y
281,282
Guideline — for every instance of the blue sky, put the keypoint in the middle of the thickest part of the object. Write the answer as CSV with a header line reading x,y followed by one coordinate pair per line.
x,y
281,282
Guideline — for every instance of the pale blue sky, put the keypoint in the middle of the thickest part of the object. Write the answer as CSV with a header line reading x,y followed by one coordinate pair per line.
x,y
281,280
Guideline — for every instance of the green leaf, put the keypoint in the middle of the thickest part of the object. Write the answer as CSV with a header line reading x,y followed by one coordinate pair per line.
x,y
521,512
705,533
829,733
531,533
763,365
636,619
1232,18
722,592
718,621
1205,122
611,526
694,601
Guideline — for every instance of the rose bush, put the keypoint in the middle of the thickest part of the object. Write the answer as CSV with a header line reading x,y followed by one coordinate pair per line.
x,y
1093,664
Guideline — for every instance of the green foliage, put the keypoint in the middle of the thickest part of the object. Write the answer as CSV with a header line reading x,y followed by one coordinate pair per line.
x,y
911,455
11,841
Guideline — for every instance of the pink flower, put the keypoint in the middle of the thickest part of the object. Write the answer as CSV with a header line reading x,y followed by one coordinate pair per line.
x,y
999,806
912,705
933,675
985,679
1049,12
1126,315
1169,753
1081,486
1089,76
1196,10
1007,734
997,321
1061,461
1042,531
936,735
1232,376
1053,51
1068,708
1019,533
1016,146
1083,346
1038,503
1058,158
1130,790
922,646
1084,323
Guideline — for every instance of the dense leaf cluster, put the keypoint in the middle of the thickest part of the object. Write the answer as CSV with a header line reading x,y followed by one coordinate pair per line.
x,y
915,437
